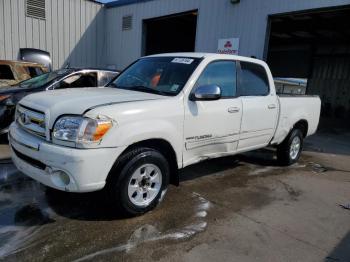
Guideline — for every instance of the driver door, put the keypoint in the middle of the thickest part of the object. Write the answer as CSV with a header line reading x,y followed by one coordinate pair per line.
x,y
211,128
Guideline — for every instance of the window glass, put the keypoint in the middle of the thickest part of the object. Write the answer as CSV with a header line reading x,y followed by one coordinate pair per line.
x,y
44,79
34,71
254,81
106,77
78,80
222,74
6,72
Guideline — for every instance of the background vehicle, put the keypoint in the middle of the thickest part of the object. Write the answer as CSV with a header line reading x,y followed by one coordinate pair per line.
x,y
13,72
59,79
162,113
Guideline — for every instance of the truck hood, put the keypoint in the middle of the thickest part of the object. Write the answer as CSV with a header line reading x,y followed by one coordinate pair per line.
x,y
79,100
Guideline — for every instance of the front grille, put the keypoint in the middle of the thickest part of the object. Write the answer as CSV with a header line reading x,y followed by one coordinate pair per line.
x,y
31,120
29,160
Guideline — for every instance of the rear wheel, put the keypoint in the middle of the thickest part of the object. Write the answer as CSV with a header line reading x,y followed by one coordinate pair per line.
x,y
288,152
138,181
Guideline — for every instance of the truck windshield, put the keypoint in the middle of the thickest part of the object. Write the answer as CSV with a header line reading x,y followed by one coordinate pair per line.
x,y
159,75
43,79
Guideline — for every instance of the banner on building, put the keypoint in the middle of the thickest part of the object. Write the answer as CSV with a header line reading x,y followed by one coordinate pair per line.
x,y
228,46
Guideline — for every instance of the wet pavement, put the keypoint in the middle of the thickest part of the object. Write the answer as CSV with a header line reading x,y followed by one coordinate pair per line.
x,y
243,208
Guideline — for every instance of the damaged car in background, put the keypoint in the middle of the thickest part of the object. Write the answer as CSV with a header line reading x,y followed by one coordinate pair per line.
x,y
59,79
13,72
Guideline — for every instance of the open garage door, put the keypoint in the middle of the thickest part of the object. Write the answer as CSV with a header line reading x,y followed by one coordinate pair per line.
x,y
313,49
174,33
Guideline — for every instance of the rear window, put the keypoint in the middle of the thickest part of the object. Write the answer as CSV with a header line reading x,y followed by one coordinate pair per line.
x,y
6,72
253,80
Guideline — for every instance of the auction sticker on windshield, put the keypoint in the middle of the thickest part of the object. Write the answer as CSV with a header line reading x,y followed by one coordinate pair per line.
x,y
180,60
174,88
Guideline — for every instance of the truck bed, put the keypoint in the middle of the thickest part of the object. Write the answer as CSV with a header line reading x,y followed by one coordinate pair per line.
x,y
294,108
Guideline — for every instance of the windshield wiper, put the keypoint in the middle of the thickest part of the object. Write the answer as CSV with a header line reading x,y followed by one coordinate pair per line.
x,y
147,90
112,85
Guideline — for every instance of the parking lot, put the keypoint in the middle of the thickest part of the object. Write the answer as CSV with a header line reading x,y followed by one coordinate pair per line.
x,y
243,208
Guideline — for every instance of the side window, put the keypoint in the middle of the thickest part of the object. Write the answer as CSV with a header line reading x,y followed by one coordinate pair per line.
x,y
105,78
6,72
253,80
222,74
85,80
78,80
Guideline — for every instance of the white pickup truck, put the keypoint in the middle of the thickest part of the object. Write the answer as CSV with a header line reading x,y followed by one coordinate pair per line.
x,y
162,113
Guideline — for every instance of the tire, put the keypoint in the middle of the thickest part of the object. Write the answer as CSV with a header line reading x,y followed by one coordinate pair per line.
x,y
138,181
288,152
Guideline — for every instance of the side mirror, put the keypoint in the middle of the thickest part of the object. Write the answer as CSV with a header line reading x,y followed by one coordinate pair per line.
x,y
206,93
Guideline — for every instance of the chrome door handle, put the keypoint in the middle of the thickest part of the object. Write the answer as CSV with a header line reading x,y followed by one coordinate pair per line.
x,y
271,106
233,109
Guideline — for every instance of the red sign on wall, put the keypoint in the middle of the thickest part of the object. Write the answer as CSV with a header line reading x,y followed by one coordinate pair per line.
x,y
228,46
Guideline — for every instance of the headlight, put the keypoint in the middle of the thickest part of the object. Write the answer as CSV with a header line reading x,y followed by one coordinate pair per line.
x,y
81,129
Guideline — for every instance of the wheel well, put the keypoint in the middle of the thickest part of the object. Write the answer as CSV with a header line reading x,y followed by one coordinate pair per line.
x,y
303,126
166,149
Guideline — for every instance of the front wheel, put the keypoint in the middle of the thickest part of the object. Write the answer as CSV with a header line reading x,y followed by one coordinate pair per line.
x,y
288,152
138,181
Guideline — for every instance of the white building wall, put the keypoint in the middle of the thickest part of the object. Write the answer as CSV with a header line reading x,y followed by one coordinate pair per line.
x,y
217,19
73,31
84,33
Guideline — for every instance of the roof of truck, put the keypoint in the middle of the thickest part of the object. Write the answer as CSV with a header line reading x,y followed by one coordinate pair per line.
x,y
185,54
210,55
94,69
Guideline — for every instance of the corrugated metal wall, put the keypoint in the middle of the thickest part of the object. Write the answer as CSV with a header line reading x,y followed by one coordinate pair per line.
x,y
330,80
72,32
86,34
217,19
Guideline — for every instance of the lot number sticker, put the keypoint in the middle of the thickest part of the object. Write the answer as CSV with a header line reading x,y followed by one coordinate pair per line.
x,y
179,60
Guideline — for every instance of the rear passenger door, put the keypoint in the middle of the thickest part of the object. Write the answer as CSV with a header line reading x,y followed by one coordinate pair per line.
x,y
260,108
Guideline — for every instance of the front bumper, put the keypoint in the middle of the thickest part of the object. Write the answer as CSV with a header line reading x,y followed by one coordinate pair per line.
x,y
63,168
